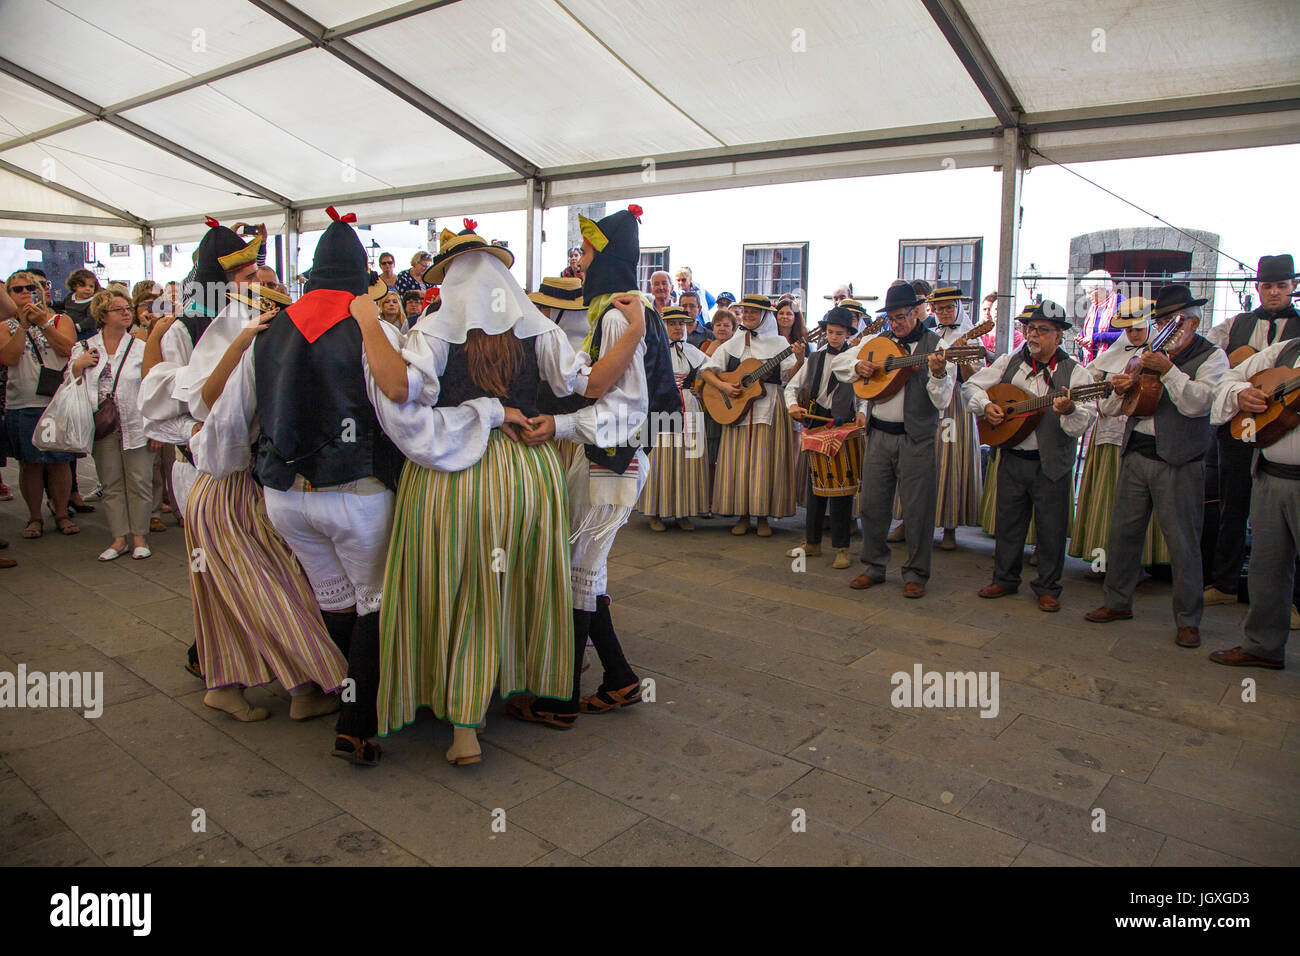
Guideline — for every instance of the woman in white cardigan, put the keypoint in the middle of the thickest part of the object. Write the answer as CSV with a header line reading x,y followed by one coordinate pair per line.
x,y
123,459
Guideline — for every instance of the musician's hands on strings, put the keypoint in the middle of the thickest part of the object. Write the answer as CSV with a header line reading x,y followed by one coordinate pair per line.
x,y
1157,362
797,350
938,365
993,414
1121,382
1252,400
866,368
1063,405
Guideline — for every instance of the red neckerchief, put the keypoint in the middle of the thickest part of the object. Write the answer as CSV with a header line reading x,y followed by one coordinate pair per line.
x,y
319,311
1048,369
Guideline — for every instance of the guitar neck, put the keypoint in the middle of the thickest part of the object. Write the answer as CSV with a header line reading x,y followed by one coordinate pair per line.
x,y
763,370
1080,393
917,358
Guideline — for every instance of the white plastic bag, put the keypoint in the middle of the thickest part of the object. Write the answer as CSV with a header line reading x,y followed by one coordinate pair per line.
x,y
68,422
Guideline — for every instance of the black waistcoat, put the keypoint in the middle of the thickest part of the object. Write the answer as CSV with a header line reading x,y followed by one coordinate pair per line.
x,y
456,387
1243,326
316,418
843,398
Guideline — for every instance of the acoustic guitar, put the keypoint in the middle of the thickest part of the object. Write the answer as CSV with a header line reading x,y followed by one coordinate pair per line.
x,y
897,365
1021,412
1240,354
1282,386
1144,394
748,376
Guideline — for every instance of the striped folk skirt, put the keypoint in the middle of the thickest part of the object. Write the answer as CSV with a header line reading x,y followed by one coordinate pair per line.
x,y
960,484
989,502
255,616
678,484
755,473
1091,527
476,589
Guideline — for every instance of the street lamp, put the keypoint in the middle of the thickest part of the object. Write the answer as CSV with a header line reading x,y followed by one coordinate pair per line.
x,y
101,271
1030,279
372,254
1239,282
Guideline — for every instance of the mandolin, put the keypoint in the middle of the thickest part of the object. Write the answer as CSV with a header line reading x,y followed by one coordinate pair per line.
x,y
964,370
1239,355
1282,386
748,376
1144,394
897,365
1022,412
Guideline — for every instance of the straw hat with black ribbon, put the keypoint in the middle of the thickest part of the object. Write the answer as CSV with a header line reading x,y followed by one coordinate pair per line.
x,y
1134,313
559,293
947,293
451,245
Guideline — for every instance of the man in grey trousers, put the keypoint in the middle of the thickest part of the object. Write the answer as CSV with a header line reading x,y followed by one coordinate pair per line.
x,y
900,452
1034,476
1162,466
1274,514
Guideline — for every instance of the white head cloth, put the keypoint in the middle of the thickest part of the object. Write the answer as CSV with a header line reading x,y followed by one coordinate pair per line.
x,y
478,292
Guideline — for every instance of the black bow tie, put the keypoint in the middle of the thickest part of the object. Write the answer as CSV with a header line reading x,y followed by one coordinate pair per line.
x,y
1132,348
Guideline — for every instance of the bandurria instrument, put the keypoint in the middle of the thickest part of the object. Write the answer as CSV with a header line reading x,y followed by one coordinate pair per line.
x,y
1144,394
1022,412
1282,386
897,365
748,376
1240,354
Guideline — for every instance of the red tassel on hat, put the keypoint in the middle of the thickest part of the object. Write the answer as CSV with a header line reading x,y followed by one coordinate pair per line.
x,y
470,224
636,211
334,214
211,223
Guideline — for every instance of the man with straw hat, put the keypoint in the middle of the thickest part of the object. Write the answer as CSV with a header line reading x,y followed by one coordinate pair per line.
x,y
560,299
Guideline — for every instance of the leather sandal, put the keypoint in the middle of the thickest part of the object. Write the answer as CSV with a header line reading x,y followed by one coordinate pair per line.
x,y
363,754
606,700
35,528
66,525
524,709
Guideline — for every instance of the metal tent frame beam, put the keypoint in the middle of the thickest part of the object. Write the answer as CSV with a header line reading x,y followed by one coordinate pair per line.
x,y
375,71
966,43
127,218
139,132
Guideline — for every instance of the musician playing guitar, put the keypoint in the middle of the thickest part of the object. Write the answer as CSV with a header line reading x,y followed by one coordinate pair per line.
x,y
1274,513
1162,464
754,475
1034,476
900,452
1276,320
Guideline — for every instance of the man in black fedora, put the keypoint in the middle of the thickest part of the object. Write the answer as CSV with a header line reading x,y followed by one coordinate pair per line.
x,y
1276,320
900,452
1035,476
1162,466
1274,514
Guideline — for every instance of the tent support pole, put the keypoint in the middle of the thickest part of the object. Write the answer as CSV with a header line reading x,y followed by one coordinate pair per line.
x,y
292,224
146,239
533,246
1013,170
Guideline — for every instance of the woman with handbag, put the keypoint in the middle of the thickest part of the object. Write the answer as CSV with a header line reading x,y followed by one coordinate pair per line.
x,y
35,347
123,456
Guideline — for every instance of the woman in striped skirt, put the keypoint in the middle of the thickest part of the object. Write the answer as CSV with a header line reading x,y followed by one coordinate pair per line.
x,y
1090,530
755,474
958,440
477,586
724,327
678,484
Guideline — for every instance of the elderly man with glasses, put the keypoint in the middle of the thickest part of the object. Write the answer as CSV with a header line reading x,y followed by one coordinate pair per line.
x,y
1034,476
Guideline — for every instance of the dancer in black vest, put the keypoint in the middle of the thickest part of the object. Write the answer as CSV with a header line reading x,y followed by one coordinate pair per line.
x,y
327,467
1162,466
900,453
1034,477
828,398
1274,515
1275,320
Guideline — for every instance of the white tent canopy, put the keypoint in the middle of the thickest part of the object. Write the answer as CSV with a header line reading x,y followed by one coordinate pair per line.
x,y
130,120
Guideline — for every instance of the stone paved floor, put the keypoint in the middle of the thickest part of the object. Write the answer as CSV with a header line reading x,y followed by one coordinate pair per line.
x,y
772,694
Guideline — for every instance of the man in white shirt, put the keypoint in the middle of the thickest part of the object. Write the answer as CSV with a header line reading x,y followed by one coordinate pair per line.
x,y
1162,466
900,452
1034,476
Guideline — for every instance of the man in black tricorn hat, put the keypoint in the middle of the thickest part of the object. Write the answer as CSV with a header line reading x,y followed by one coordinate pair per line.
x,y
1162,466
1034,476
1274,501
328,468
900,453
1275,320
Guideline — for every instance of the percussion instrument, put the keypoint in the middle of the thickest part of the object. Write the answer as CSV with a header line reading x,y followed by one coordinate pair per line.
x,y
1282,386
834,458
1022,412
748,376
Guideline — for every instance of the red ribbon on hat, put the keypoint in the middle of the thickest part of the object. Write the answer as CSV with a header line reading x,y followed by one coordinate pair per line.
x,y
636,211
334,214
470,224
212,223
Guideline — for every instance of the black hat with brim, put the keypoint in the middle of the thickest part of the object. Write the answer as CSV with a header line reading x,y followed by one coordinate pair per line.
x,y
1048,311
901,296
1174,298
1275,269
844,318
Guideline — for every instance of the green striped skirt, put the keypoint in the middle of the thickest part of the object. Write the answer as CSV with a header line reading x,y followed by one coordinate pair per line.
x,y
476,589
1091,528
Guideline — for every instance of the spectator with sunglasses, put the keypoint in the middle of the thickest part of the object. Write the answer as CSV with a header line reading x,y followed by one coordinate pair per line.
x,y
34,341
